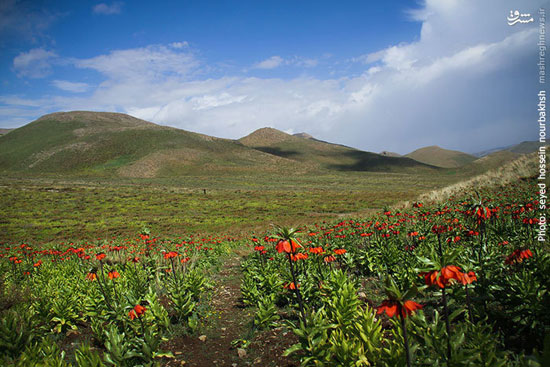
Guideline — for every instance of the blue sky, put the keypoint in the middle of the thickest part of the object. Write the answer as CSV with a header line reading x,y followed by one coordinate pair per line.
x,y
392,75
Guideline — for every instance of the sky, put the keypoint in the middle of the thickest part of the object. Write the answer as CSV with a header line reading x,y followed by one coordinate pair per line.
x,y
394,75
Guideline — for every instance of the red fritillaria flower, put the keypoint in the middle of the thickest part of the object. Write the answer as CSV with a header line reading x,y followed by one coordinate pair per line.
x,y
340,251
392,307
316,250
100,256
37,264
447,275
138,311
259,248
91,276
468,278
482,213
298,256
518,255
329,258
171,254
291,285
288,247
113,274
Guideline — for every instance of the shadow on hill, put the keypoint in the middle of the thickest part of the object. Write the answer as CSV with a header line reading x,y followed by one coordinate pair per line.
x,y
365,161
279,152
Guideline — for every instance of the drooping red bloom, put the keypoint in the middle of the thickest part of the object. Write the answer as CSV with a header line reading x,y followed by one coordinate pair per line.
x,y
482,214
441,278
91,276
450,273
340,251
298,256
170,255
517,256
134,259
316,250
113,274
259,248
185,259
468,278
290,285
100,256
288,247
37,264
392,307
329,258
138,311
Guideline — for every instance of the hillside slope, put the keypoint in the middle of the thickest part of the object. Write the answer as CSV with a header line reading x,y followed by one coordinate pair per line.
x,y
302,148
100,143
440,157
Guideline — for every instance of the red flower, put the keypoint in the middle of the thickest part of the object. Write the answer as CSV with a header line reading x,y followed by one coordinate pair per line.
x,y
91,276
392,307
329,258
37,264
298,256
171,254
316,250
447,275
259,248
100,256
138,311
518,256
340,251
291,286
285,246
468,278
114,274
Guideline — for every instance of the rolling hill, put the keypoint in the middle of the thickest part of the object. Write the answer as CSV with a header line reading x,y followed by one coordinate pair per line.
x,y
524,147
304,148
440,157
100,143
113,144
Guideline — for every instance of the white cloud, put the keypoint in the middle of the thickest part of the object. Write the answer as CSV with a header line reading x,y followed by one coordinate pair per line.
x,y
70,86
466,83
271,63
276,61
36,63
106,9
151,62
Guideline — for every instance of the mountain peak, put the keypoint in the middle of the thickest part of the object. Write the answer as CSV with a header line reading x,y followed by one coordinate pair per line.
x,y
265,136
303,135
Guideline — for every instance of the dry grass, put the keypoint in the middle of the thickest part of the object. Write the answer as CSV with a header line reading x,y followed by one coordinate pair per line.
x,y
522,167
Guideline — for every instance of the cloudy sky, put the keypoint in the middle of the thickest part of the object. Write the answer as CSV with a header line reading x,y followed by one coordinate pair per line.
x,y
393,75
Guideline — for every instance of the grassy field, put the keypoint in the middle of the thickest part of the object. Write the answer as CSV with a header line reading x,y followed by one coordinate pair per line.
x,y
44,209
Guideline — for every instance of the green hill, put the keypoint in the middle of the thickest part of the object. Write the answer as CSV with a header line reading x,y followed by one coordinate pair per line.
x,y
112,144
100,143
317,153
440,157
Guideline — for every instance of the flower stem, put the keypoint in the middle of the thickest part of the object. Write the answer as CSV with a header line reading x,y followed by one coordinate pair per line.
x,y
447,323
298,295
405,340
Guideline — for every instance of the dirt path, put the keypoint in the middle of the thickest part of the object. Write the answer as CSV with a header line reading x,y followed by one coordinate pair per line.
x,y
231,321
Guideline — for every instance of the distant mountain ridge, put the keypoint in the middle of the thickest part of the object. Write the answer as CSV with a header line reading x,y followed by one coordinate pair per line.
x,y
114,144
525,147
304,148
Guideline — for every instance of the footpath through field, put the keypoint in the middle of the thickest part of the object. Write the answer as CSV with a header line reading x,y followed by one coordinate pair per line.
x,y
220,344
